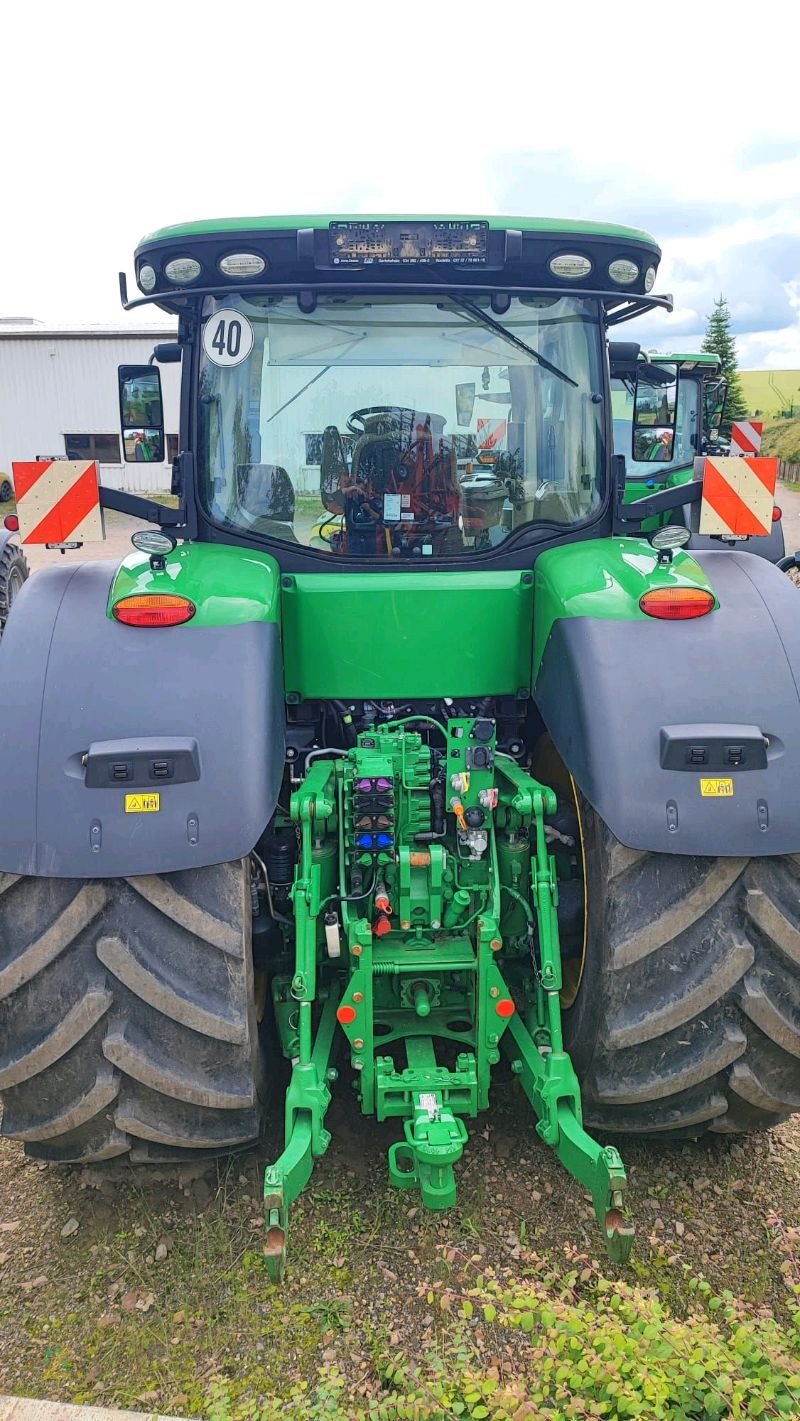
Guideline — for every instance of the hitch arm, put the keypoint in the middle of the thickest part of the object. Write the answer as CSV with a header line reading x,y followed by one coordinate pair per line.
x,y
552,1088
545,1070
307,1100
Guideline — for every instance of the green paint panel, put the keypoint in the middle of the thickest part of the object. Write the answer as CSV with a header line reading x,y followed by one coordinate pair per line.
x,y
228,585
604,578
497,223
378,635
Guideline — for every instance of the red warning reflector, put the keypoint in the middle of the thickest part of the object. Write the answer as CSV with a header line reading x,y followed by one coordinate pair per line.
x,y
676,604
505,1007
154,609
777,513
345,1014
11,522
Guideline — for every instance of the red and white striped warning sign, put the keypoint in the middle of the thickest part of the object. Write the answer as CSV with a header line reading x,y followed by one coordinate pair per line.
x,y
746,436
492,434
58,501
738,496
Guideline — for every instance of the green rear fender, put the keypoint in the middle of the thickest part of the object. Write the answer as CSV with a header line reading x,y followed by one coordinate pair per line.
x,y
228,585
329,620
605,579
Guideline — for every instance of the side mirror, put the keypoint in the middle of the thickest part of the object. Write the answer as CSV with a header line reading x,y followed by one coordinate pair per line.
x,y
141,413
654,414
716,392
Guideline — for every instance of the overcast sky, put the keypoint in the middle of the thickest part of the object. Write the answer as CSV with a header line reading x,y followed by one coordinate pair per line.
x,y
680,118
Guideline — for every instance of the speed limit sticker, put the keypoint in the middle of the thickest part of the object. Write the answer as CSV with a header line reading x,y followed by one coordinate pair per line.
x,y
227,338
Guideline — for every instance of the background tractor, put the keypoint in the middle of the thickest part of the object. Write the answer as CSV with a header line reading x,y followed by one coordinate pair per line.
x,y
698,393
400,747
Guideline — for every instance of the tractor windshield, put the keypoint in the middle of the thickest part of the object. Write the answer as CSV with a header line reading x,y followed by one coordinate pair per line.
x,y
380,427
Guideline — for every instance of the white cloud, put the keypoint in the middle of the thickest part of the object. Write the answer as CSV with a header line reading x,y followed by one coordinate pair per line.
x,y
117,121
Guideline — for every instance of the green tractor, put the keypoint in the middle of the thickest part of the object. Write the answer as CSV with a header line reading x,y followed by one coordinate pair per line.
x,y
399,747
695,388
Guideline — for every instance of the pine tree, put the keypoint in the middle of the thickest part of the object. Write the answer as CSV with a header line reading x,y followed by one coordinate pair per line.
x,y
718,338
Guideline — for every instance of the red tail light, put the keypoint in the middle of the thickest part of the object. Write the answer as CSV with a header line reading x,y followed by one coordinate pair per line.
x,y
11,522
156,609
777,513
676,604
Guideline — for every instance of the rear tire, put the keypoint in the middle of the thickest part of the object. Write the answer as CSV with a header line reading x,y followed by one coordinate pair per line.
x,y
127,1016
687,1019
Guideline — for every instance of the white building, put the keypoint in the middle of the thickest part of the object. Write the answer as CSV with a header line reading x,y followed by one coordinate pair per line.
x,y
58,398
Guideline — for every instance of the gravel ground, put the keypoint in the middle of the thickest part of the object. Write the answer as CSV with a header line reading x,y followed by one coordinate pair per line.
x,y
146,1288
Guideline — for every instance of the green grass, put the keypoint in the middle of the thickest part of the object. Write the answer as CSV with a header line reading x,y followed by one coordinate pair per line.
x,y
782,438
770,391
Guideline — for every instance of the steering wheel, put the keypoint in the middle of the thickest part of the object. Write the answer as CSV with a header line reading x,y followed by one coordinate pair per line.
x,y
367,421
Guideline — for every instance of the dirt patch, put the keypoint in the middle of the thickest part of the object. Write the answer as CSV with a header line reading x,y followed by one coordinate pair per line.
x,y
146,1287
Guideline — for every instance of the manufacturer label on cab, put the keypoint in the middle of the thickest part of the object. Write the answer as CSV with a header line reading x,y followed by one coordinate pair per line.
x,y
716,788
142,803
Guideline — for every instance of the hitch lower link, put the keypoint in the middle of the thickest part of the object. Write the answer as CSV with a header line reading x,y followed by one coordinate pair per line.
x,y
434,1134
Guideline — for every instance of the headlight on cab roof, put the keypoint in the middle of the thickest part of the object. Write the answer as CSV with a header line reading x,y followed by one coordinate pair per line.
x,y
182,270
241,265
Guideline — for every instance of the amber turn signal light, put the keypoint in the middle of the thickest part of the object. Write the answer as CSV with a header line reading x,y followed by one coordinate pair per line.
x,y
154,609
676,604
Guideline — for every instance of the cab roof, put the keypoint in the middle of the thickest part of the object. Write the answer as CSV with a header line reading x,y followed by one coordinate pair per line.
x,y
700,357
293,253
545,225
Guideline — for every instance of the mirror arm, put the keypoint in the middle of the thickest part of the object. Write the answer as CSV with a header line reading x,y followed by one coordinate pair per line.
x,y
628,514
145,508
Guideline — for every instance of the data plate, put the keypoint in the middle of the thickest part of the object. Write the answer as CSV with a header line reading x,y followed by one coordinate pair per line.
x,y
408,243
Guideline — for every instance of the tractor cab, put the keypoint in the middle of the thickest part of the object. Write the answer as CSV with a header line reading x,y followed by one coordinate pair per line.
x,y
395,391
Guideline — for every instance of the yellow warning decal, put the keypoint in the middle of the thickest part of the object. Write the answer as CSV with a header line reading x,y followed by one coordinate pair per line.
x,y
716,788
142,803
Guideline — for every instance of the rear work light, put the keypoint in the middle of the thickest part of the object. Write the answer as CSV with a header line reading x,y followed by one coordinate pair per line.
x,y
676,604
157,609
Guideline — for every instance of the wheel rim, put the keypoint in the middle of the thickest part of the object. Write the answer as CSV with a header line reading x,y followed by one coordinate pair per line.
x,y
15,581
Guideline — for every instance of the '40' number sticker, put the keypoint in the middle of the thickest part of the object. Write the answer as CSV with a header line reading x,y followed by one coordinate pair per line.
x,y
227,338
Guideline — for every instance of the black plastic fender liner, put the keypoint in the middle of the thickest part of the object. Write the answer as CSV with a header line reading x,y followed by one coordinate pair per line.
x,y
772,547
71,678
606,689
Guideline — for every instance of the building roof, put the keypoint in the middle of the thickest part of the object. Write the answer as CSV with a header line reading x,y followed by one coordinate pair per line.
x,y
23,328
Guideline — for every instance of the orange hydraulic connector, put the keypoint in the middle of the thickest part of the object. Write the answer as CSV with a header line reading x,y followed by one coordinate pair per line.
x,y
382,900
